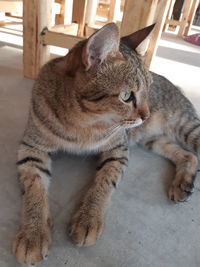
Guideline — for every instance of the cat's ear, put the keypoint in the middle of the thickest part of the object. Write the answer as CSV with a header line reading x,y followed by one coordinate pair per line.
x,y
138,41
101,44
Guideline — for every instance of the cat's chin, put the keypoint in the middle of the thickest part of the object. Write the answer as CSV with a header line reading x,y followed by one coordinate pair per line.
x,y
134,124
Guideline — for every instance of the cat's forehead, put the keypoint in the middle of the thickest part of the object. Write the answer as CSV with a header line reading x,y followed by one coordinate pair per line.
x,y
114,74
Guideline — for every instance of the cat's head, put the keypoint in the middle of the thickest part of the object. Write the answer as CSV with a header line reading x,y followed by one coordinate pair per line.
x,y
110,81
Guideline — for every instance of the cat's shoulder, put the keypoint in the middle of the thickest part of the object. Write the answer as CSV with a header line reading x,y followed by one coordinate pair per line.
x,y
162,83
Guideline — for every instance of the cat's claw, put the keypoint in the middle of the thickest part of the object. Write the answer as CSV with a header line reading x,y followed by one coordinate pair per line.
x,y
182,187
85,229
30,247
181,192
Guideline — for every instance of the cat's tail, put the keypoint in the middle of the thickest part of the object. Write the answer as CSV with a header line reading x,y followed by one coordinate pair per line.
x,y
188,132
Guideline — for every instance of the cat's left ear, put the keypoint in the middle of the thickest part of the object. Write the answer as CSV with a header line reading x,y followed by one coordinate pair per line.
x,y
138,40
101,44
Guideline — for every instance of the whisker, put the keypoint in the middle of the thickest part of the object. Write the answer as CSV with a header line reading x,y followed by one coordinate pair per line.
x,y
111,131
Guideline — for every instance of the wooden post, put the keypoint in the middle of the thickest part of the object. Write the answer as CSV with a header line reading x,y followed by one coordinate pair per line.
x,y
111,10
11,6
79,12
191,16
160,17
184,20
91,12
60,39
65,16
169,14
139,14
36,16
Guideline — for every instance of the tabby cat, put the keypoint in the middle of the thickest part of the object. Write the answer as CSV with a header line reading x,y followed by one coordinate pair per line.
x,y
98,99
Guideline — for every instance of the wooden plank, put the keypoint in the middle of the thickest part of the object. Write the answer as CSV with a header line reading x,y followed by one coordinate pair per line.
x,y
139,14
11,6
102,12
70,29
191,16
78,15
173,22
2,19
65,16
160,17
91,12
184,20
169,14
57,13
111,10
68,11
36,16
60,39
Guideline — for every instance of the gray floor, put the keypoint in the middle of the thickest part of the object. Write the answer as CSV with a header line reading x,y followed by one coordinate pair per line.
x,y
142,227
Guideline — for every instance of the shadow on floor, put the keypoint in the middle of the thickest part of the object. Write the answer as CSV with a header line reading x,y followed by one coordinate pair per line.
x,y
181,56
11,45
11,33
7,71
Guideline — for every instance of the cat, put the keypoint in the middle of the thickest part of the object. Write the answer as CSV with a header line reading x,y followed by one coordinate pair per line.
x,y
99,98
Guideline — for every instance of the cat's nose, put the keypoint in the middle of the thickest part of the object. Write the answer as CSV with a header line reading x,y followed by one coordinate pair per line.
x,y
144,116
144,112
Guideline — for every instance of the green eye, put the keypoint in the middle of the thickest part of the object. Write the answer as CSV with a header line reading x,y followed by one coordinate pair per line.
x,y
126,96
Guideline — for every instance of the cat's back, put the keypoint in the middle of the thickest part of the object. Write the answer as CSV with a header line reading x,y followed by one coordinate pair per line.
x,y
165,96
50,78
48,102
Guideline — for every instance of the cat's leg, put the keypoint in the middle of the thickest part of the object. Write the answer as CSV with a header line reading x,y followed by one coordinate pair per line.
x,y
87,223
186,166
32,242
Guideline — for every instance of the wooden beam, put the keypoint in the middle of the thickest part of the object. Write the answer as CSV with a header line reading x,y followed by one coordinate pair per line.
x,y
169,14
60,39
139,14
65,16
91,12
11,6
184,20
70,29
191,17
111,10
36,16
160,17
103,12
173,22
78,15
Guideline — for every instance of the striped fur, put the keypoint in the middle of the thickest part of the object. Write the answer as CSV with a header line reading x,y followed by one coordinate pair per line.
x,y
76,106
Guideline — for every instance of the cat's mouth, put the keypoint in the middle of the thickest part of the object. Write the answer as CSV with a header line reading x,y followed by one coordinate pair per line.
x,y
132,123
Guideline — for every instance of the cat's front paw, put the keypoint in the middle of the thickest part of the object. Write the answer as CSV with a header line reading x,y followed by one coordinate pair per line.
x,y
86,227
181,191
31,246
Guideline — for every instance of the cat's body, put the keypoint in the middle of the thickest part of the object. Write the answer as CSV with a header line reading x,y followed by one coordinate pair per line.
x,y
166,103
78,105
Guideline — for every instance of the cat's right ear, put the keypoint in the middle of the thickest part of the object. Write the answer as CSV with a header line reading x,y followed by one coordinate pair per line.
x,y
101,44
138,40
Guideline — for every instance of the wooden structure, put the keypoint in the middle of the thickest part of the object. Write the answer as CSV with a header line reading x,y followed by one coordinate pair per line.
x,y
139,14
39,34
185,22
10,5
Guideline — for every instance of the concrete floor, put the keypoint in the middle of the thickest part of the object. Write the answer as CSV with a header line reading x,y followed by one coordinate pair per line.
x,y
143,229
